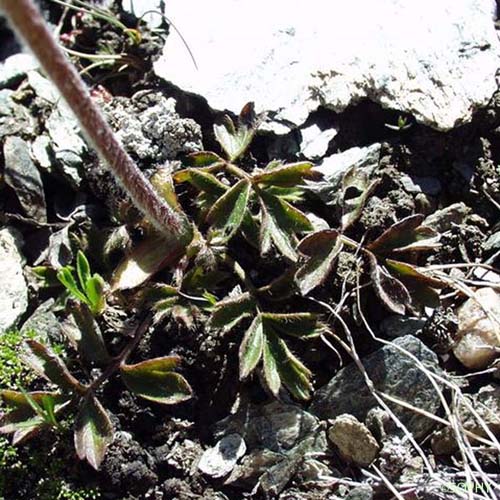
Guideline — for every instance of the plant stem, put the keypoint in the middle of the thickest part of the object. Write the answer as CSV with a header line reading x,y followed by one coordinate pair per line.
x,y
30,25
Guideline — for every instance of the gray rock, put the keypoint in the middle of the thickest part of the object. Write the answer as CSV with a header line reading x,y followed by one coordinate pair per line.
x,y
434,60
492,243
426,185
67,143
443,220
24,178
44,323
220,460
14,118
391,372
276,426
335,166
399,326
353,440
150,128
13,288
40,152
278,436
486,404
360,493
15,67
42,87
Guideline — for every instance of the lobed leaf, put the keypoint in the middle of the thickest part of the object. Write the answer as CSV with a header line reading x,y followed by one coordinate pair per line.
x,y
156,381
203,181
356,188
145,260
251,347
405,235
48,365
302,325
280,221
228,212
323,248
93,432
280,363
286,175
87,336
202,159
162,182
229,312
393,294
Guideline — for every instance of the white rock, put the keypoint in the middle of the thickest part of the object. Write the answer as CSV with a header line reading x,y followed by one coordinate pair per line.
x,y
145,9
435,60
478,331
15,67
221,459
315,141
13,288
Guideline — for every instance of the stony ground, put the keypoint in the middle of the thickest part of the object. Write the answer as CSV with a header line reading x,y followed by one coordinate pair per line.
x,y
404,404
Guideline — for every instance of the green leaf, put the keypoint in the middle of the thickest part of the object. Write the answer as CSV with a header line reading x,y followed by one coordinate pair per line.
x,y
82,269
235,141
203,181
251,347
48,365
280,221
145,260
156,381
162,182
87,337
323,248
229,210
405,235
202,159
95,293
301,325
393,294
281,362
286,175
23,421
229,312
356,189
65,276
93,432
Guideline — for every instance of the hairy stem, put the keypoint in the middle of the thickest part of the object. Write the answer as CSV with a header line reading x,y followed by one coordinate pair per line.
x,y
31,27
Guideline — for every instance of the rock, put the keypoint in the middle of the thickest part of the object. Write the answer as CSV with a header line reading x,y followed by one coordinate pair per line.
x,y
42,87
353,440
399,326
275,426
315,141
150,128
44,323
364,492
13,288
492,243
145,9
24,178
479,333
443,220
13,69
278,437
434,60
426,185
40,152
486,404
391,372
397,460
335,166
14,118
220,460
67,143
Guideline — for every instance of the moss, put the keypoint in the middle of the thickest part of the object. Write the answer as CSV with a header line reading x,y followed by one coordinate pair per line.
x,y
13,372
